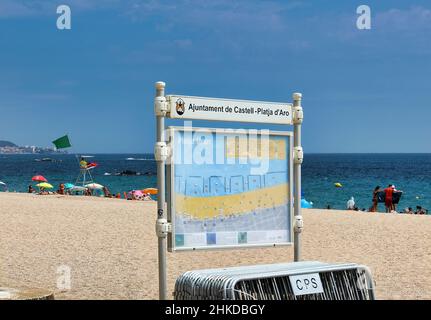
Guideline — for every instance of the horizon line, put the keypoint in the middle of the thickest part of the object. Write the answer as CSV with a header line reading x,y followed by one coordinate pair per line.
x,y
151,153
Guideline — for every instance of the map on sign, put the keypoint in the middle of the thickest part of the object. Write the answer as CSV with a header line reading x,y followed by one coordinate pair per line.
x,y
229,188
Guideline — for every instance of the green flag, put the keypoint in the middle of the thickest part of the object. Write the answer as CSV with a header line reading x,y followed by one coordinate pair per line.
x,y
62,142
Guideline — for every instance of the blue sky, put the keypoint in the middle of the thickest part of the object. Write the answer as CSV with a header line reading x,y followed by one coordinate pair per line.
x,y
364,90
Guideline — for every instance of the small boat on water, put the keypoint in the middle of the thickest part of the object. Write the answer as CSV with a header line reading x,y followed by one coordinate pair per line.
x,y
139,159
44,160
128,173
47,160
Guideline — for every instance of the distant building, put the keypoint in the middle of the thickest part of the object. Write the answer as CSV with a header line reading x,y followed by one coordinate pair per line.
x,y
7,147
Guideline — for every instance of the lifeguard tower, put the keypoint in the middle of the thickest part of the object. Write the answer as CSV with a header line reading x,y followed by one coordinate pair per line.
x,y
85,168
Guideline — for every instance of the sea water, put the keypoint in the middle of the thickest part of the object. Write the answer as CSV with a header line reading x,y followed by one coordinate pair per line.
x,y
358,174
17,170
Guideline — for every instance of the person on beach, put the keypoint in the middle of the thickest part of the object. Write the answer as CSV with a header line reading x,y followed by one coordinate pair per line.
x,y
374,208
351,204
83,164
420,210
147,197
408,210
60,189
388,198
394,205
30,189
106,192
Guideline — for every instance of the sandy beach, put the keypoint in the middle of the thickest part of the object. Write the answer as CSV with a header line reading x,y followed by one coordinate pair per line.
x,y
111,247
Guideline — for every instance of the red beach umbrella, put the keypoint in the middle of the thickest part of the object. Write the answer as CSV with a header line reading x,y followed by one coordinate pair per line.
x,y
39,179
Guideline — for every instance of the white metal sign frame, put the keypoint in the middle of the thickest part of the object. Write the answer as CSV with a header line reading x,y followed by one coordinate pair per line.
x,y
171,214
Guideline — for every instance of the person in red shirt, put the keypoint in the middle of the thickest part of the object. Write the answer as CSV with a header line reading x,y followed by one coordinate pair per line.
x,y
388,198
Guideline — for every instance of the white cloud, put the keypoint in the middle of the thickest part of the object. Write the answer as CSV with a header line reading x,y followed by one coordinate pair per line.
x,y
10,8
243,14
404,20
22,8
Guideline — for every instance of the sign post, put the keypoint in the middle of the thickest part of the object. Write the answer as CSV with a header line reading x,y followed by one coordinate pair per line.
x,y
298,157
160,153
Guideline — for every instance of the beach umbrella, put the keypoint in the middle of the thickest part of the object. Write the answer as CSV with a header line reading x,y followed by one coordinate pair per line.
x,y
306,204
94,186
150,191
39,179
68,185
136,194
45,185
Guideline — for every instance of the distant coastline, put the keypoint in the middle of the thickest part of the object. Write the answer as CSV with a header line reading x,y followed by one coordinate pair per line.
x,y
7,147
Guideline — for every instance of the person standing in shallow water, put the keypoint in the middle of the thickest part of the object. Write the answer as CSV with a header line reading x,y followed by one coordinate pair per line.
x,y
375,199
388,198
